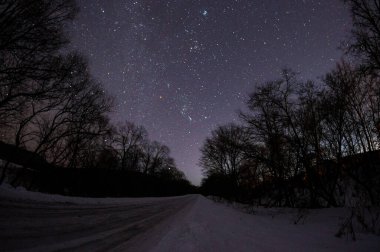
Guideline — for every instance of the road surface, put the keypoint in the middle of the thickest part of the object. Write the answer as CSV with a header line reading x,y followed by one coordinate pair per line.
x,y
42,225
41,222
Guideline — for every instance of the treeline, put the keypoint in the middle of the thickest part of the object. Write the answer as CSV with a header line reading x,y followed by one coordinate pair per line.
x,y
304,143
52,107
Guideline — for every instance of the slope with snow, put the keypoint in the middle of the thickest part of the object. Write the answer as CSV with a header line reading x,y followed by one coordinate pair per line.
x,y
211,226
41,222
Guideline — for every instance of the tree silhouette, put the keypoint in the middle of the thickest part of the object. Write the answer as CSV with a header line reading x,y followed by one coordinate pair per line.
x,y
31,36
366,32
128,140
223,155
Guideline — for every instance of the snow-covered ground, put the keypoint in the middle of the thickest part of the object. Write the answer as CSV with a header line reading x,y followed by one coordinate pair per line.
x,y
41,222
211,226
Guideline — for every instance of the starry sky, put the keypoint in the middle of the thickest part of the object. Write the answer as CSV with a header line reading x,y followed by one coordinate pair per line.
x,y
182,67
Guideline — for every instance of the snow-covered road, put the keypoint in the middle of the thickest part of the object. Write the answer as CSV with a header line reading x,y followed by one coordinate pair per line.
x,y
40,222
44,225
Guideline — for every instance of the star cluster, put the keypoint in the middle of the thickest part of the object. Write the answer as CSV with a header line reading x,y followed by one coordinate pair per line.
x,y
181,67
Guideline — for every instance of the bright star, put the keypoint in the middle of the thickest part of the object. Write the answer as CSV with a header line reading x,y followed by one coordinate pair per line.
x,y
204,13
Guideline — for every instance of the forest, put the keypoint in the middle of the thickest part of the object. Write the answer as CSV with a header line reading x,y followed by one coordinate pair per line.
x,y
55,131
297,169
307,143
299,144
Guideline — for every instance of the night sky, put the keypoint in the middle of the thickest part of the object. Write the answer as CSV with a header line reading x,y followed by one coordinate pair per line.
x,y
182,67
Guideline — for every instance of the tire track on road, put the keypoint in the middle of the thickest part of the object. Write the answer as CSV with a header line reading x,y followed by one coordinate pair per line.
x,y
45,227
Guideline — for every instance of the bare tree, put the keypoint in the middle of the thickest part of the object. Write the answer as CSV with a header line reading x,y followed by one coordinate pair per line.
x,y
129,140
285,120
156,156
66,126
351,121
223,154
366,32
31,35
169,171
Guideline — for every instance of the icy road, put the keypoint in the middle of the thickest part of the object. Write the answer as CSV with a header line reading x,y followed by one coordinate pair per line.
x,y
40,222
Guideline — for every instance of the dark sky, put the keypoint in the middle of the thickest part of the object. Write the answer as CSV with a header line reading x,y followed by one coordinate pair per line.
x,y
181,67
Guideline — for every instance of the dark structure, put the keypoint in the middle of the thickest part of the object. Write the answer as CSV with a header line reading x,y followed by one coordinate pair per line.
x,y
30,170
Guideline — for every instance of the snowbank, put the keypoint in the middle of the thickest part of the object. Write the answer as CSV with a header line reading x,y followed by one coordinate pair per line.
x,y
211,226
20,193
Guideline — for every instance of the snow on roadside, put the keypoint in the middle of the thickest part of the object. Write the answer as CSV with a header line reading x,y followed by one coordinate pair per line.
x,y
211,226
8,191
208,226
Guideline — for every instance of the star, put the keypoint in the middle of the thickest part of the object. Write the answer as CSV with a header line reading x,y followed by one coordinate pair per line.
x,y
184,68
